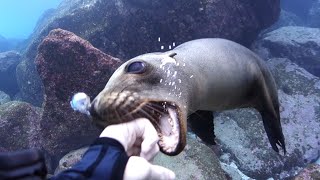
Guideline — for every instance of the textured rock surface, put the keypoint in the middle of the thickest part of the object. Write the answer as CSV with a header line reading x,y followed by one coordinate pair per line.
x,y
29,83
312,172
244,141
19,126
8,63
299,44
68,64
126,28
4,98
197,161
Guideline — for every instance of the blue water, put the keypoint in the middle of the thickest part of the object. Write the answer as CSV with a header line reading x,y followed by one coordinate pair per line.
x,y
19,17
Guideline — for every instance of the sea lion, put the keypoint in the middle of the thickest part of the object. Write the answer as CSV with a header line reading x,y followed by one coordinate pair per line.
x,y
205,74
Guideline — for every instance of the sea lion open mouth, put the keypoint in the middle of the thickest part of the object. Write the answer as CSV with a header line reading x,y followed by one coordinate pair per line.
x,y
127,106
165,118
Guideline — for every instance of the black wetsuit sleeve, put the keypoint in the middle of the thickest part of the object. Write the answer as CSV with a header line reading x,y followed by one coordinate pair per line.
x,y
105,159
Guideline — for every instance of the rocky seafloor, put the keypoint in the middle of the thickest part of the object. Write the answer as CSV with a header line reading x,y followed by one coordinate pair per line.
x,y
59,63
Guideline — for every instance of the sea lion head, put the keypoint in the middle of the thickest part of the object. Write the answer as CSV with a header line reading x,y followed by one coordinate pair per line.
x,y
148,86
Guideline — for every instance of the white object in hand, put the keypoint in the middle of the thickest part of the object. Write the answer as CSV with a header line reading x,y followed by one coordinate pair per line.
x,y
81,102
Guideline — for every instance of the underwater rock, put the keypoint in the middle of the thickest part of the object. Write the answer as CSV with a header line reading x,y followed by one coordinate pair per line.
x,y
19,126
4,98
299,44
312,172
70,159
243,139
197,161
28,82
128,28
68,64
8,63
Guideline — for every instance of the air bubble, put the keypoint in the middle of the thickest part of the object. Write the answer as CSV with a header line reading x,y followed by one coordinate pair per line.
x,y
175,73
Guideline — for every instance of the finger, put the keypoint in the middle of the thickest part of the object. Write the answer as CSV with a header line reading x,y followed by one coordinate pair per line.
x,y
150,152
139,168
159,172
149,146
134,151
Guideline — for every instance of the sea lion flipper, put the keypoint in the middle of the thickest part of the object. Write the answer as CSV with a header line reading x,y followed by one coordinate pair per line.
x,y
201,123
273,129
268,106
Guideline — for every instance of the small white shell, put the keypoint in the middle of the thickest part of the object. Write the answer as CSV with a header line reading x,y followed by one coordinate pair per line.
x,y
81,102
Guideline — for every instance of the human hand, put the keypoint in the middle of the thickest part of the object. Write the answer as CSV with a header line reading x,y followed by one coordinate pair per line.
x,y
139,139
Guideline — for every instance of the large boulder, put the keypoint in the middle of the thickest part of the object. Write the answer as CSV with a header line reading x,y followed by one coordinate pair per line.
x,y
243,139
19,126
29,83
299,44
68,64
197,161
126,28
8,63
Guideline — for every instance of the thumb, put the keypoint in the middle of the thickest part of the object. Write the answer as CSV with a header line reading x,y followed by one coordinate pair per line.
x,y
159,172
138,168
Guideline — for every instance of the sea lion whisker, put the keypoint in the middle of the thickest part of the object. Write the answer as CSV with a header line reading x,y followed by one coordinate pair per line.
x,y
162,107
150,117
152,108
138,107
118,116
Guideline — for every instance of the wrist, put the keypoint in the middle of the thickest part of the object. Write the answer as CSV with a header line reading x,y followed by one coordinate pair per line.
x,y
115,133
108,141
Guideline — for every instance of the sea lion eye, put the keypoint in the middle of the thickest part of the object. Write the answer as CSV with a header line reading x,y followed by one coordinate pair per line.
x,y
137,67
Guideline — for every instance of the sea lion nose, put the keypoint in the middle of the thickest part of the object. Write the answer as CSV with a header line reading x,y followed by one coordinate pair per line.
x,y
93,112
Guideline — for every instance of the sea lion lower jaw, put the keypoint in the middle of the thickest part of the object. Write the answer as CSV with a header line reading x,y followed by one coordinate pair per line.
x,y
125,106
